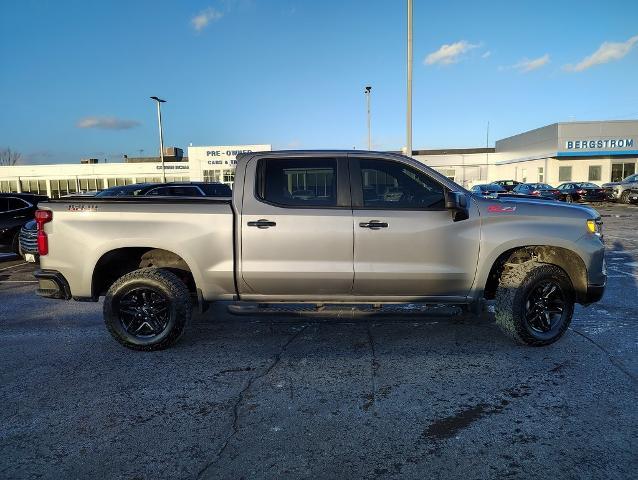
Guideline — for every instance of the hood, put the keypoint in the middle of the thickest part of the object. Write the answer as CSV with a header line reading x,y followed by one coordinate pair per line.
x,y
610,184
535,207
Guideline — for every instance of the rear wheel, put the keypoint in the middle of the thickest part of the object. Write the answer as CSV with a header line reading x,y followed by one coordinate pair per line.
x,y
147,309
569,199
534,303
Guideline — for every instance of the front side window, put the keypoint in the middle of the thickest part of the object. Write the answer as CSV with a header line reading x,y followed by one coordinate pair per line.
x,y
388,184
299,182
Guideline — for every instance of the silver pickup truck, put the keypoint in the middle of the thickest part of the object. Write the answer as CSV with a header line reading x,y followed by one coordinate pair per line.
x,y
322,227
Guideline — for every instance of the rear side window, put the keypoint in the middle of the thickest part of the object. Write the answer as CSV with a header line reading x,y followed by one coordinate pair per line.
x,y
216,189
17,204
185,192
388,184
160,191
175,191
308,182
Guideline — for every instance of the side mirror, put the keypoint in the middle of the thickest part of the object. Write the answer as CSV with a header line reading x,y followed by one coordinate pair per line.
x,y
457,203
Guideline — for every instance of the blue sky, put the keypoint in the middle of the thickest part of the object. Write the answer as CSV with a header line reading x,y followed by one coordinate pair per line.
x,y
76,75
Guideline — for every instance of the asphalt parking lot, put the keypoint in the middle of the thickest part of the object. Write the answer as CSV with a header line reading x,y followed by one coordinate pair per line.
x,y
437,396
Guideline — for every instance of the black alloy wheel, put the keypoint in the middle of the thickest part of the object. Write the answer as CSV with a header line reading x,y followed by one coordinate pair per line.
x,y
144,312
545,307
147,309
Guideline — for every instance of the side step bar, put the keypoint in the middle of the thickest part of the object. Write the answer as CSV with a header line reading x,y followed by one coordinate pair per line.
x,y
346,310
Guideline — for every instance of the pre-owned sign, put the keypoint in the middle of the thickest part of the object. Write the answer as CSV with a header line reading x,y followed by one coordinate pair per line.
x,y
602,143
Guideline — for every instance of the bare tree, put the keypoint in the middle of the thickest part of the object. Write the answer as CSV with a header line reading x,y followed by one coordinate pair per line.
x,y
9,157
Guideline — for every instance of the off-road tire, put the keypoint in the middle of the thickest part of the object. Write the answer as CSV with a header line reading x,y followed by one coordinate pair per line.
x,y
624,197
516,283
162,281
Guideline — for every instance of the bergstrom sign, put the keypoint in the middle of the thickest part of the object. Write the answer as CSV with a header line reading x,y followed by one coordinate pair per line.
x,y
603,143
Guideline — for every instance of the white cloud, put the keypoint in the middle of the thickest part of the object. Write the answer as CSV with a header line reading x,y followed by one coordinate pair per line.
x,y
107,123
201,20
607,52
487,54
527,65
449,54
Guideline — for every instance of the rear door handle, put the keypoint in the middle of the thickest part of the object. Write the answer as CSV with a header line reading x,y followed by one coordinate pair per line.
x,y
373,224
262,223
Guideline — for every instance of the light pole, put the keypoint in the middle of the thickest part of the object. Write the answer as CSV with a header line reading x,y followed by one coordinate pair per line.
x,y
159,101
408,140
368,90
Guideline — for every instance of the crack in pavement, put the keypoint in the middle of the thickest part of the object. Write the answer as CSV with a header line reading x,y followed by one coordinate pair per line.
x,y
375,367
241,396
611,359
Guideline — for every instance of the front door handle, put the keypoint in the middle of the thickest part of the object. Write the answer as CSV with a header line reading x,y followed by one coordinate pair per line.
x,y
262,223
373,224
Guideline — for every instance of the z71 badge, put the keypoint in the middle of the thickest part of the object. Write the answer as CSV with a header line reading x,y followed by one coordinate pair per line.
x,y
501,209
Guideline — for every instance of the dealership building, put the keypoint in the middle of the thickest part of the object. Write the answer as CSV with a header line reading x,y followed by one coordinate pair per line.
x,y
596,152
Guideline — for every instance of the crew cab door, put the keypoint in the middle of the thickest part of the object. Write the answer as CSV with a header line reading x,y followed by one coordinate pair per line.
x,y
406,243
296,227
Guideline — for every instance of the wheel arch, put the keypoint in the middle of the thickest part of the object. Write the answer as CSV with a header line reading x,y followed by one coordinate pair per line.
x,y
117,262
568,260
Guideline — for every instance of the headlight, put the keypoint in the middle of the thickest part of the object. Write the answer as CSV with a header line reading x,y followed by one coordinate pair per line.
x,y
595,227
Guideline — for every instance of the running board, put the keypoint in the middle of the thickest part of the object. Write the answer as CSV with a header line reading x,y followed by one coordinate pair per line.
x,y
347,310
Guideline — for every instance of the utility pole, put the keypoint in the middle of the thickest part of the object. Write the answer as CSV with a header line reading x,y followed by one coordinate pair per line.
x,y
368,91
161,134
408,142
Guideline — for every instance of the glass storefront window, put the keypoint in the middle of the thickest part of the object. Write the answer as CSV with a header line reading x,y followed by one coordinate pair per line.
x,y
622,170
564,174
8,186
595,173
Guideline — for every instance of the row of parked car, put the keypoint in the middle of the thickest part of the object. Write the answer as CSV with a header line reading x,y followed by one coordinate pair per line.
x,y
19,230
625,191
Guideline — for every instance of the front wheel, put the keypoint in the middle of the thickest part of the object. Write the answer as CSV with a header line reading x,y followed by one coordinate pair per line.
x,y
624,198
147,309
534,303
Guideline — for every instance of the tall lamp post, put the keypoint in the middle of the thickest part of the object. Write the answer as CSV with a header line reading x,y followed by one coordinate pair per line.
x,y
408,140
368,90
159,101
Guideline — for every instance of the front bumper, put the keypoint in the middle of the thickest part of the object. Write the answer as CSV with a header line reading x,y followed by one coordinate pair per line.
x,y
52,284
594,293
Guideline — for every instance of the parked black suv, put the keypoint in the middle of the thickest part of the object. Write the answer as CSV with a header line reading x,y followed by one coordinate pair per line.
x,y
171,189
16,209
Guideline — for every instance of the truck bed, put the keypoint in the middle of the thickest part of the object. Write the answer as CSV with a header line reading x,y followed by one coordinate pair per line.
x,y
198,229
